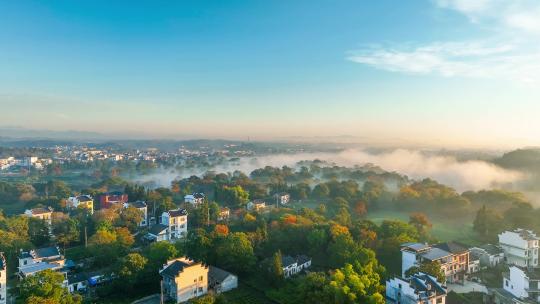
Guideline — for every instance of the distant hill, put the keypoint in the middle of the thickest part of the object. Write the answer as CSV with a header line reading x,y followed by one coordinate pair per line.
x,y
521,159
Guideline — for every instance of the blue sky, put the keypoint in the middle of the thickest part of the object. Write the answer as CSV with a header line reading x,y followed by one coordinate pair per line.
x,y
442,72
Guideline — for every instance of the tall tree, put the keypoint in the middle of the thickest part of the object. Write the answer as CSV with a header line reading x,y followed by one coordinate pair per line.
x,y
46,287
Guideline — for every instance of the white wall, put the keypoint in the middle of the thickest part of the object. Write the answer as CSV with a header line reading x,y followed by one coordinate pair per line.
x,y
408,260
517,283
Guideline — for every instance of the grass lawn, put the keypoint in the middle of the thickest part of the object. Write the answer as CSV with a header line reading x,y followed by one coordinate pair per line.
x,y
443,229
245,294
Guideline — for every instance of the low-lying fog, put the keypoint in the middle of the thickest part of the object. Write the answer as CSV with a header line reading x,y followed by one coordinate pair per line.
x,y
462,175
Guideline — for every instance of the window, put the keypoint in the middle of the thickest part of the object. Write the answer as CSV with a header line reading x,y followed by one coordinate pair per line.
x,y
399,285
506,282
200,289
201,278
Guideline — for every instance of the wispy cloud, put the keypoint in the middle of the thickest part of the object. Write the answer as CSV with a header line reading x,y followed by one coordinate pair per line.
x,y
521,15
495,56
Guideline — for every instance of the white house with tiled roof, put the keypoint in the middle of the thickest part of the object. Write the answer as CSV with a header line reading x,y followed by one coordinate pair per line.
x,y
453,257
37,260
184,279
419,288
44,213
172,227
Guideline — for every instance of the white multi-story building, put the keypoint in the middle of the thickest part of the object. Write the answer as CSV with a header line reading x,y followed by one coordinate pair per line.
x,y
420,288
523,283
520,247
3,279
173,226
453,257
184,279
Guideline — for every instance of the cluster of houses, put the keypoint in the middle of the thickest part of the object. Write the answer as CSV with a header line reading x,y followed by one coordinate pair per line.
x,y
182,279
25,162
517,248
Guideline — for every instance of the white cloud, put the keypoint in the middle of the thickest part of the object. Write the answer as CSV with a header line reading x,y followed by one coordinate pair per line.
x,y
472,59
496,56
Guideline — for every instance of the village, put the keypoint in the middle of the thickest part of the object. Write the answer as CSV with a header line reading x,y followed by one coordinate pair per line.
x,y
183,278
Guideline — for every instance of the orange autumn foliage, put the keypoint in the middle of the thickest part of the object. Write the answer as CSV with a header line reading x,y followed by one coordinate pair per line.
x,y
221,229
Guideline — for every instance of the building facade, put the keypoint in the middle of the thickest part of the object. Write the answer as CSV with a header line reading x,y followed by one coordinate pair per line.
x,y
489,255
194,199
37,260
44,214
292,266
453,257
420,288
220,280
523,283
520,247
172,227
81,201
112,198
184,279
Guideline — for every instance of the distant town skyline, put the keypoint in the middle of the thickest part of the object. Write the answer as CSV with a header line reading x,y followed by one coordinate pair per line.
x,y
462,73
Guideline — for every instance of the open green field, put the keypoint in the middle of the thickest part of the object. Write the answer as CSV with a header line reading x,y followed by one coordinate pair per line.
x,y
443,229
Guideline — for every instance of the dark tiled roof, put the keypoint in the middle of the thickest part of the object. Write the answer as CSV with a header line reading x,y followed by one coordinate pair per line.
x,y
198,195
415,246
84,198
217,274
177,212
492,249
157,229
287,260
77,277
435,254
47,252
453,247
174,268
302,259
138,204
425,284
